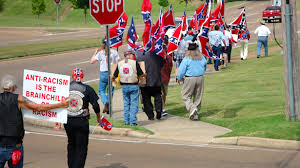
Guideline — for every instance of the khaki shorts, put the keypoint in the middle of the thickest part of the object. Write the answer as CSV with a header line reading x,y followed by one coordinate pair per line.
x,y
164,89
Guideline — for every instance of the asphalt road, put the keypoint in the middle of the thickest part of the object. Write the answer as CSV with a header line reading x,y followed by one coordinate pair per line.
x,y
11,36
63,63
48,151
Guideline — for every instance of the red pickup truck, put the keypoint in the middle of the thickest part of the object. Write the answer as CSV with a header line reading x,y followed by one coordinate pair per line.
x,y
272,14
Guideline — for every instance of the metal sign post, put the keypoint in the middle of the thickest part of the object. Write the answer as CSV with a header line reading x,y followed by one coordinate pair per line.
x,y
57,2
57,26
109,72
107,12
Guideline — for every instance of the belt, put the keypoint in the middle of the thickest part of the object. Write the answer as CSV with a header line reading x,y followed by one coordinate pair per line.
x,y
192,76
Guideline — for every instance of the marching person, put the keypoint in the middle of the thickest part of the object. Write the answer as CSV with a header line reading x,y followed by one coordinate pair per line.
x,y
244,38
228,34
129,71
101,56
152,88
215,39
11,121
165,76
191,71
263,32
77,127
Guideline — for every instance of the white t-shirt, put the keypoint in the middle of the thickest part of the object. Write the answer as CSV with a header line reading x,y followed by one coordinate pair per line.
x,y
262,31
102,58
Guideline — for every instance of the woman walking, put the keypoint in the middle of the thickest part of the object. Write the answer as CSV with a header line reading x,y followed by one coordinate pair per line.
x,y
191,70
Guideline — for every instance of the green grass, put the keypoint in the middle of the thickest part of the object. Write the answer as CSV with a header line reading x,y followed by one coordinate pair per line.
x,y
247,97
47,48
18,13
120,124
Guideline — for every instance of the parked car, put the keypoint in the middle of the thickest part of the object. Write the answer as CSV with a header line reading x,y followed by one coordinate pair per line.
x,y
272,14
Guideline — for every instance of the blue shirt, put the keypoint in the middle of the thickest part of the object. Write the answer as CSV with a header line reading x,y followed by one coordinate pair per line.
x,y
190,67
215,38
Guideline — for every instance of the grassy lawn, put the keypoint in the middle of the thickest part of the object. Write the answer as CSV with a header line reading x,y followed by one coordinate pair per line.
x,y
247,97
47,48
18,13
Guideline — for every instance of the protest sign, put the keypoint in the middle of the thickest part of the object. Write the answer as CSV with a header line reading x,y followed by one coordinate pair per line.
x,y
46,88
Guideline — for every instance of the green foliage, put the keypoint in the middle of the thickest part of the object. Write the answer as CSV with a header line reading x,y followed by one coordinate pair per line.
x,y
163,3
38,7
80,4
185,1
1,5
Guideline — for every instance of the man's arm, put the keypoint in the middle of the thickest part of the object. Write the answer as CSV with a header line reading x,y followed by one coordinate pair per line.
x,y
26,103
94,102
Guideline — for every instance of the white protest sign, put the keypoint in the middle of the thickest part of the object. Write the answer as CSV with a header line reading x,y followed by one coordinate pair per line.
x,y
46,88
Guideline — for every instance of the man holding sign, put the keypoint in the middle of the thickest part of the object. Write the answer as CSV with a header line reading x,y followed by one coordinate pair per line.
x,y
77,127
11,121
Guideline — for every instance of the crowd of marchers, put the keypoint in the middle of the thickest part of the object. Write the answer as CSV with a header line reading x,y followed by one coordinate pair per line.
x,y
143,75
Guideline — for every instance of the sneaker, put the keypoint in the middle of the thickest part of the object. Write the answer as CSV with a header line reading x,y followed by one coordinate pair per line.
x,y
105,109
192,115
134,124
257,56
164,112
196,117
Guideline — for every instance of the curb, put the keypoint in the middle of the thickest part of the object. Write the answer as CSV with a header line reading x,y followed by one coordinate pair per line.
x,y
127,132
239,141
258,142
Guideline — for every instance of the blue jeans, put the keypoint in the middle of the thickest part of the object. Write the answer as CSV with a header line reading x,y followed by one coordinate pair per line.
x,y
262,40
5,156
131,103
103,87
217,51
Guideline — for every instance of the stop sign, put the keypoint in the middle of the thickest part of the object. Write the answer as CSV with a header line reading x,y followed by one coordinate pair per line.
x,y
106,12
57,1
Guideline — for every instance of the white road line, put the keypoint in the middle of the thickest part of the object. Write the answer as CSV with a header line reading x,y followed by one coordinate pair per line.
x,y
55,34
78,63
89,81
35,40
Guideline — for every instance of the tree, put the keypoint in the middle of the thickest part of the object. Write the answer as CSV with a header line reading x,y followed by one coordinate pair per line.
x,y
163,3
185,1
38,7
81,4
1,5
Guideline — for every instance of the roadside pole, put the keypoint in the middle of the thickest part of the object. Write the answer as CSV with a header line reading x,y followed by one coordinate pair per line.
x,y
57,26
107,12
109,72
291,61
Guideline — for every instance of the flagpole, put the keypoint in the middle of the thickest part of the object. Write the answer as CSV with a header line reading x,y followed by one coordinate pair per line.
x,y
109,72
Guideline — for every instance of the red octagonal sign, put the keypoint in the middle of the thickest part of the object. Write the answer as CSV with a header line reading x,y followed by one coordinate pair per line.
x,y
57,1
106,12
